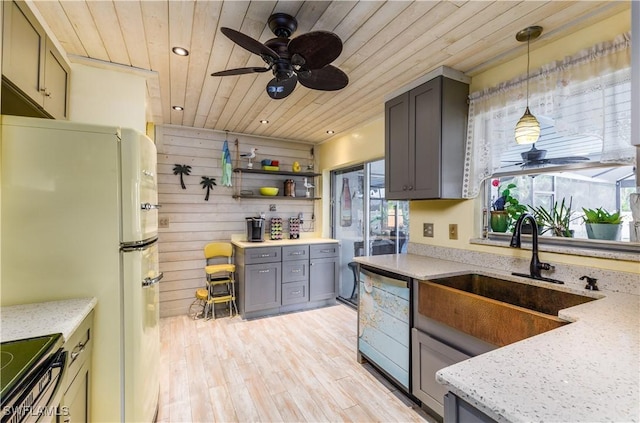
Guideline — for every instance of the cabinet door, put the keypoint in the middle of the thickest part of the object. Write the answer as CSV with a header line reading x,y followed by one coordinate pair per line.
x,y
23,43
323,275
429,355
262,286
56,83
75,403
456,410
425,129
398,149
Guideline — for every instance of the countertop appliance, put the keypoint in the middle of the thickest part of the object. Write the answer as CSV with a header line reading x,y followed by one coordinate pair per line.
x,y
30,373
384,323
255,229
79,219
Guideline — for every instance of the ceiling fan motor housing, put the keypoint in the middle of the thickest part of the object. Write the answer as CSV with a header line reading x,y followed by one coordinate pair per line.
x,y
282,24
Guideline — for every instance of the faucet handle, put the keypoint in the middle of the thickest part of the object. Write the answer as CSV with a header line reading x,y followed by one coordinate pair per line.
x,y
546,266
591,283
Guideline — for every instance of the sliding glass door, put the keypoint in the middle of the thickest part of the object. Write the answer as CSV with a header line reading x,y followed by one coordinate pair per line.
x,y
364,221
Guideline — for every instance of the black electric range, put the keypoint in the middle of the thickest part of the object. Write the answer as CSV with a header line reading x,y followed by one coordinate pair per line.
x,y
30,372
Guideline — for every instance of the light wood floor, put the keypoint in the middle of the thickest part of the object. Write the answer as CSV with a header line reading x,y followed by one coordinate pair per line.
x,y
298,367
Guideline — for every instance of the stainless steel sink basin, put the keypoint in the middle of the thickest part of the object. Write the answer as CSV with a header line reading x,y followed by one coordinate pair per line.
x,y
538,298
497,311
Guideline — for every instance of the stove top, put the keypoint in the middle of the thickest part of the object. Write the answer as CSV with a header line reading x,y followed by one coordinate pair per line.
x,y
18,358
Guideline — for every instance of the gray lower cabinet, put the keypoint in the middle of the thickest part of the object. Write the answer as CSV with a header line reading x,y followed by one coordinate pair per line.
x,y
324,271
272,280
456,410
428,356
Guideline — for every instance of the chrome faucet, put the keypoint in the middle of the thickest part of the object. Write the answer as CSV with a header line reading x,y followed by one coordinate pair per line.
x,y
536,265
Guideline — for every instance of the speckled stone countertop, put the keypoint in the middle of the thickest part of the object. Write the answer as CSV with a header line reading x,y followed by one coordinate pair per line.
x,y
586,371
39,319
282,242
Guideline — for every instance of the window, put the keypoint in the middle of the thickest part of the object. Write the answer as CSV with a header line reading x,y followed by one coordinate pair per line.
x,y
583,159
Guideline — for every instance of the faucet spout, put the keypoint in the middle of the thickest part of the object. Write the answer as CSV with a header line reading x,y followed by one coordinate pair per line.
x,y
536,265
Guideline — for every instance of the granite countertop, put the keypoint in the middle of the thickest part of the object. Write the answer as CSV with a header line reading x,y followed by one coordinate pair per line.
x,y
282,242
585,371
39,319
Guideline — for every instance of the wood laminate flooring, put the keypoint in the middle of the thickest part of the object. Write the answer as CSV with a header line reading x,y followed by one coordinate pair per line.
x,y
298,367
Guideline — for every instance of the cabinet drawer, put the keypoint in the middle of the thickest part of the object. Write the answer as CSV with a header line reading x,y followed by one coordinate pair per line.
x,y
324,250
79,347
262,255
295,292
295,270
296,252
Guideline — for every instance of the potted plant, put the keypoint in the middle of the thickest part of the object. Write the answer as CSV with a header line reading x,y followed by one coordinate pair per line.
x,y
505,209
602,225
556,220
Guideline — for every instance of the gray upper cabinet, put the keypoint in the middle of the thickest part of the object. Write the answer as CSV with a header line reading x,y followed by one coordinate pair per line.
x,y
425,131
32,68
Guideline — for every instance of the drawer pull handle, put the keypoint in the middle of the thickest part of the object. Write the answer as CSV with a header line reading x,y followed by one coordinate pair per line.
x,y
295,271
264,271
326,251
265,255
296,253
77,350
296,292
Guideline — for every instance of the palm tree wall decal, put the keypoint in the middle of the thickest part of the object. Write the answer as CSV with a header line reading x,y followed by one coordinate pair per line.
x,y
182,170
207,183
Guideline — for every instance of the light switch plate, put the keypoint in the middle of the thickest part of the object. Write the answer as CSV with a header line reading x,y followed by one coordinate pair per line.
x,y
427,230
453,231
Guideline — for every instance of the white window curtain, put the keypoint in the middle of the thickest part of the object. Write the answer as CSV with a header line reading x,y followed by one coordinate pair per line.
x,y
586,94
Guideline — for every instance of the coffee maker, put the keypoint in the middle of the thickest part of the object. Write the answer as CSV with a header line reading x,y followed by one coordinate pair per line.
x,y
255,229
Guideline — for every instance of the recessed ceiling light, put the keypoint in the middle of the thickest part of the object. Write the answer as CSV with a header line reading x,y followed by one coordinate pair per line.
x,y
330,132
180,51
264,121
178,108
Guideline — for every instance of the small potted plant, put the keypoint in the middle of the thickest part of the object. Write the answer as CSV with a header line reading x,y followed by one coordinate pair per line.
x,y
505,209
602,225
556,220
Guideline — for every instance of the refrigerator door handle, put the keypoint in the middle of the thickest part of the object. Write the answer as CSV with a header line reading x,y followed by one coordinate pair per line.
x,y
149,206
152,281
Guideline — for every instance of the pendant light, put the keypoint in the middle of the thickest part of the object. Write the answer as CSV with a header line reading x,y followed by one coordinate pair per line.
x,y
528,127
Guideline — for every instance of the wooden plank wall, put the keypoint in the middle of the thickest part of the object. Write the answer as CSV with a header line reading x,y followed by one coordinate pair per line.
x,y
190,222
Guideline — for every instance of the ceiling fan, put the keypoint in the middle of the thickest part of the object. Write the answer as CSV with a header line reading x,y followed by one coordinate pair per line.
x,y
305,59
537,158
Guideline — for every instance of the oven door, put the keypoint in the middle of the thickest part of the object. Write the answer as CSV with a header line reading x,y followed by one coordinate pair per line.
x,y
39,393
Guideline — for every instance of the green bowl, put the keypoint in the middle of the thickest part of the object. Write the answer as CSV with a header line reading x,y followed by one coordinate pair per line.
x,y
269,191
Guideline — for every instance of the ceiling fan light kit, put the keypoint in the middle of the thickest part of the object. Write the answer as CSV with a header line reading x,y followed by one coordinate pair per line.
x,y
305,59
528,128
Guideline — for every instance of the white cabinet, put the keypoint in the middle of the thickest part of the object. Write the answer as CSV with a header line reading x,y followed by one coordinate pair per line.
x,y
74,406
32,68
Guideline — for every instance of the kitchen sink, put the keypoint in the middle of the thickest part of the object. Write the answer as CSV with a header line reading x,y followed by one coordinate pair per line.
x,y
494,310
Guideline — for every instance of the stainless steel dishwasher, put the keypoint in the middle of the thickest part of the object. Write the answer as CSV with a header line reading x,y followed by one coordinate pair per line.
x,y
384,323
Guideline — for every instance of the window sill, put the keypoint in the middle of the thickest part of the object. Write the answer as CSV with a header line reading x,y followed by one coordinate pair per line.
x,y
578,247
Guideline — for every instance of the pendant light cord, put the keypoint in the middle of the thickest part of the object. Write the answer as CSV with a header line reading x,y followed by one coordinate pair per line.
x,y
528,61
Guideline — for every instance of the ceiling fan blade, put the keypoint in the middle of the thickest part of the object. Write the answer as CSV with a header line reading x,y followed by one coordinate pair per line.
x,y
281,89
239,71
248,43
318,48
329,78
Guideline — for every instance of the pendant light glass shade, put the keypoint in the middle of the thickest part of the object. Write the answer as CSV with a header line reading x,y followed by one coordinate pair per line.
x,y
527,129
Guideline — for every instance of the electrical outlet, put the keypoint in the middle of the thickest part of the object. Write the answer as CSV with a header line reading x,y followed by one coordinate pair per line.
x,y
427,230
300,217
453,231
272,207
163,222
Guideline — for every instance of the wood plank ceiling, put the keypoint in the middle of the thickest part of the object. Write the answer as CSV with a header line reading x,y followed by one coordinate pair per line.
x,y
386,46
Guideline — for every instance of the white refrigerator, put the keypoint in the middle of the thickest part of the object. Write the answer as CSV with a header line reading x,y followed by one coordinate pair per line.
x,y
79,219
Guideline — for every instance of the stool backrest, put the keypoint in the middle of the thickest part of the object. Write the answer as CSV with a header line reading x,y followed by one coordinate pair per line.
x,y
218,249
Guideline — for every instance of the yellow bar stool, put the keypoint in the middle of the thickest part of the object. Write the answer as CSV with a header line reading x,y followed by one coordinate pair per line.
x,y
220,271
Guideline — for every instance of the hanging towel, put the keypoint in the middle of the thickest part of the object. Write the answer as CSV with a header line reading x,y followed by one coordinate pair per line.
x,y
226,165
